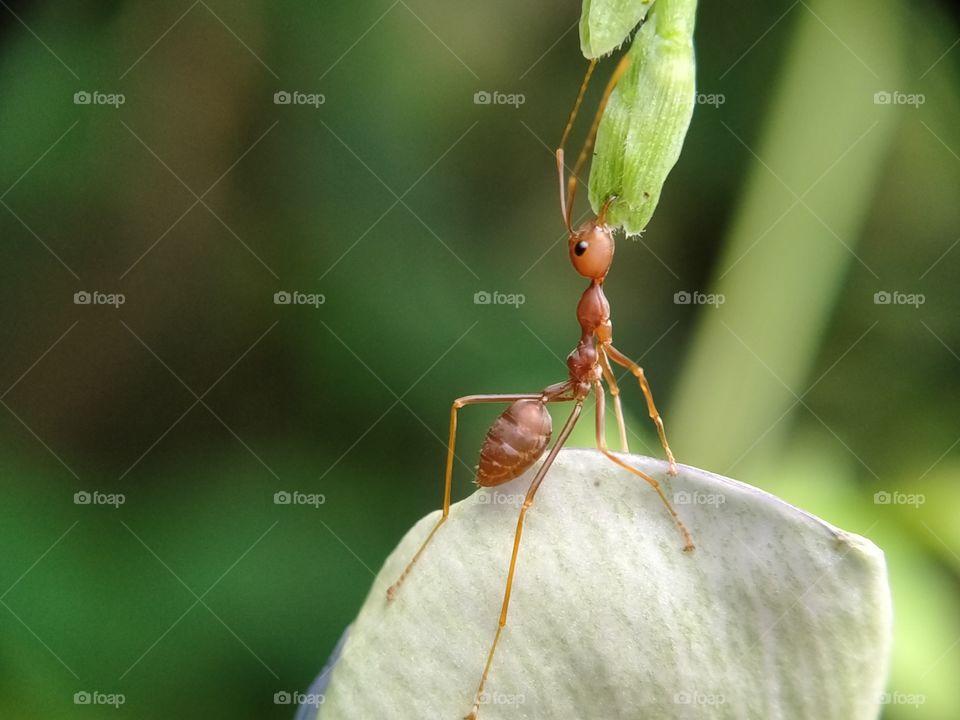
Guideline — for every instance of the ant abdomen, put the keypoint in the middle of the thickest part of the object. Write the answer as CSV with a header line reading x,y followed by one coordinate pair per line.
x,y
514,442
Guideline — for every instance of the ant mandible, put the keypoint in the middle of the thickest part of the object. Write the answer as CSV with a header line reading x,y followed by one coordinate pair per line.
x,y
519,436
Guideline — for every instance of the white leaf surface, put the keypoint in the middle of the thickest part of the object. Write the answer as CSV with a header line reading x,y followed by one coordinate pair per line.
x,y
775,615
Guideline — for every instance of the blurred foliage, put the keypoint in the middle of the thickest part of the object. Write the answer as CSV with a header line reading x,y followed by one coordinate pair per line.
x,y
399,198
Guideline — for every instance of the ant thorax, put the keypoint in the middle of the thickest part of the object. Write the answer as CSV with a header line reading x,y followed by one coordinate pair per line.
x,y
593,310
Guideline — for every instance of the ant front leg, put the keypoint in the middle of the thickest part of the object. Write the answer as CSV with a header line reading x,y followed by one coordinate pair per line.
x,y
621,359
457,404
527,502
602,447
615,393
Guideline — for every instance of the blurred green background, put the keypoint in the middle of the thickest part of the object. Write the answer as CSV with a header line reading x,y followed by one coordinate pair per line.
x,y
800,194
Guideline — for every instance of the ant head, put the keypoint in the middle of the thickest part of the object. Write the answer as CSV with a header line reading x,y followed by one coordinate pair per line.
x,y
591,247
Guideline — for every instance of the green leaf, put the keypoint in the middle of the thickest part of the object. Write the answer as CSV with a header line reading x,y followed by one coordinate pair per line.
x,y
647,117
775,614
605,24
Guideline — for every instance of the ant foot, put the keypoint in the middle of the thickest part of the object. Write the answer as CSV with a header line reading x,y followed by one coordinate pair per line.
x,y
673,470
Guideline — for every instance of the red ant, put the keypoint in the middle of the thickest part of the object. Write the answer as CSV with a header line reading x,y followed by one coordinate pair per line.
x,y
519,436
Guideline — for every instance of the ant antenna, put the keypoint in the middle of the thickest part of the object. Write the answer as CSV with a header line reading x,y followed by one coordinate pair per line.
x,y
564,210
576,106
566,202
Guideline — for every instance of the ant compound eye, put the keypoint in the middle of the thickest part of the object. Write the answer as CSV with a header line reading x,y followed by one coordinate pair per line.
x,y
581,247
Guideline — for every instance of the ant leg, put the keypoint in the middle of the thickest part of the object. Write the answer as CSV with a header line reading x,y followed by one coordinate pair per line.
x,y
602,447
621,359
527,502
457,404
615,393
